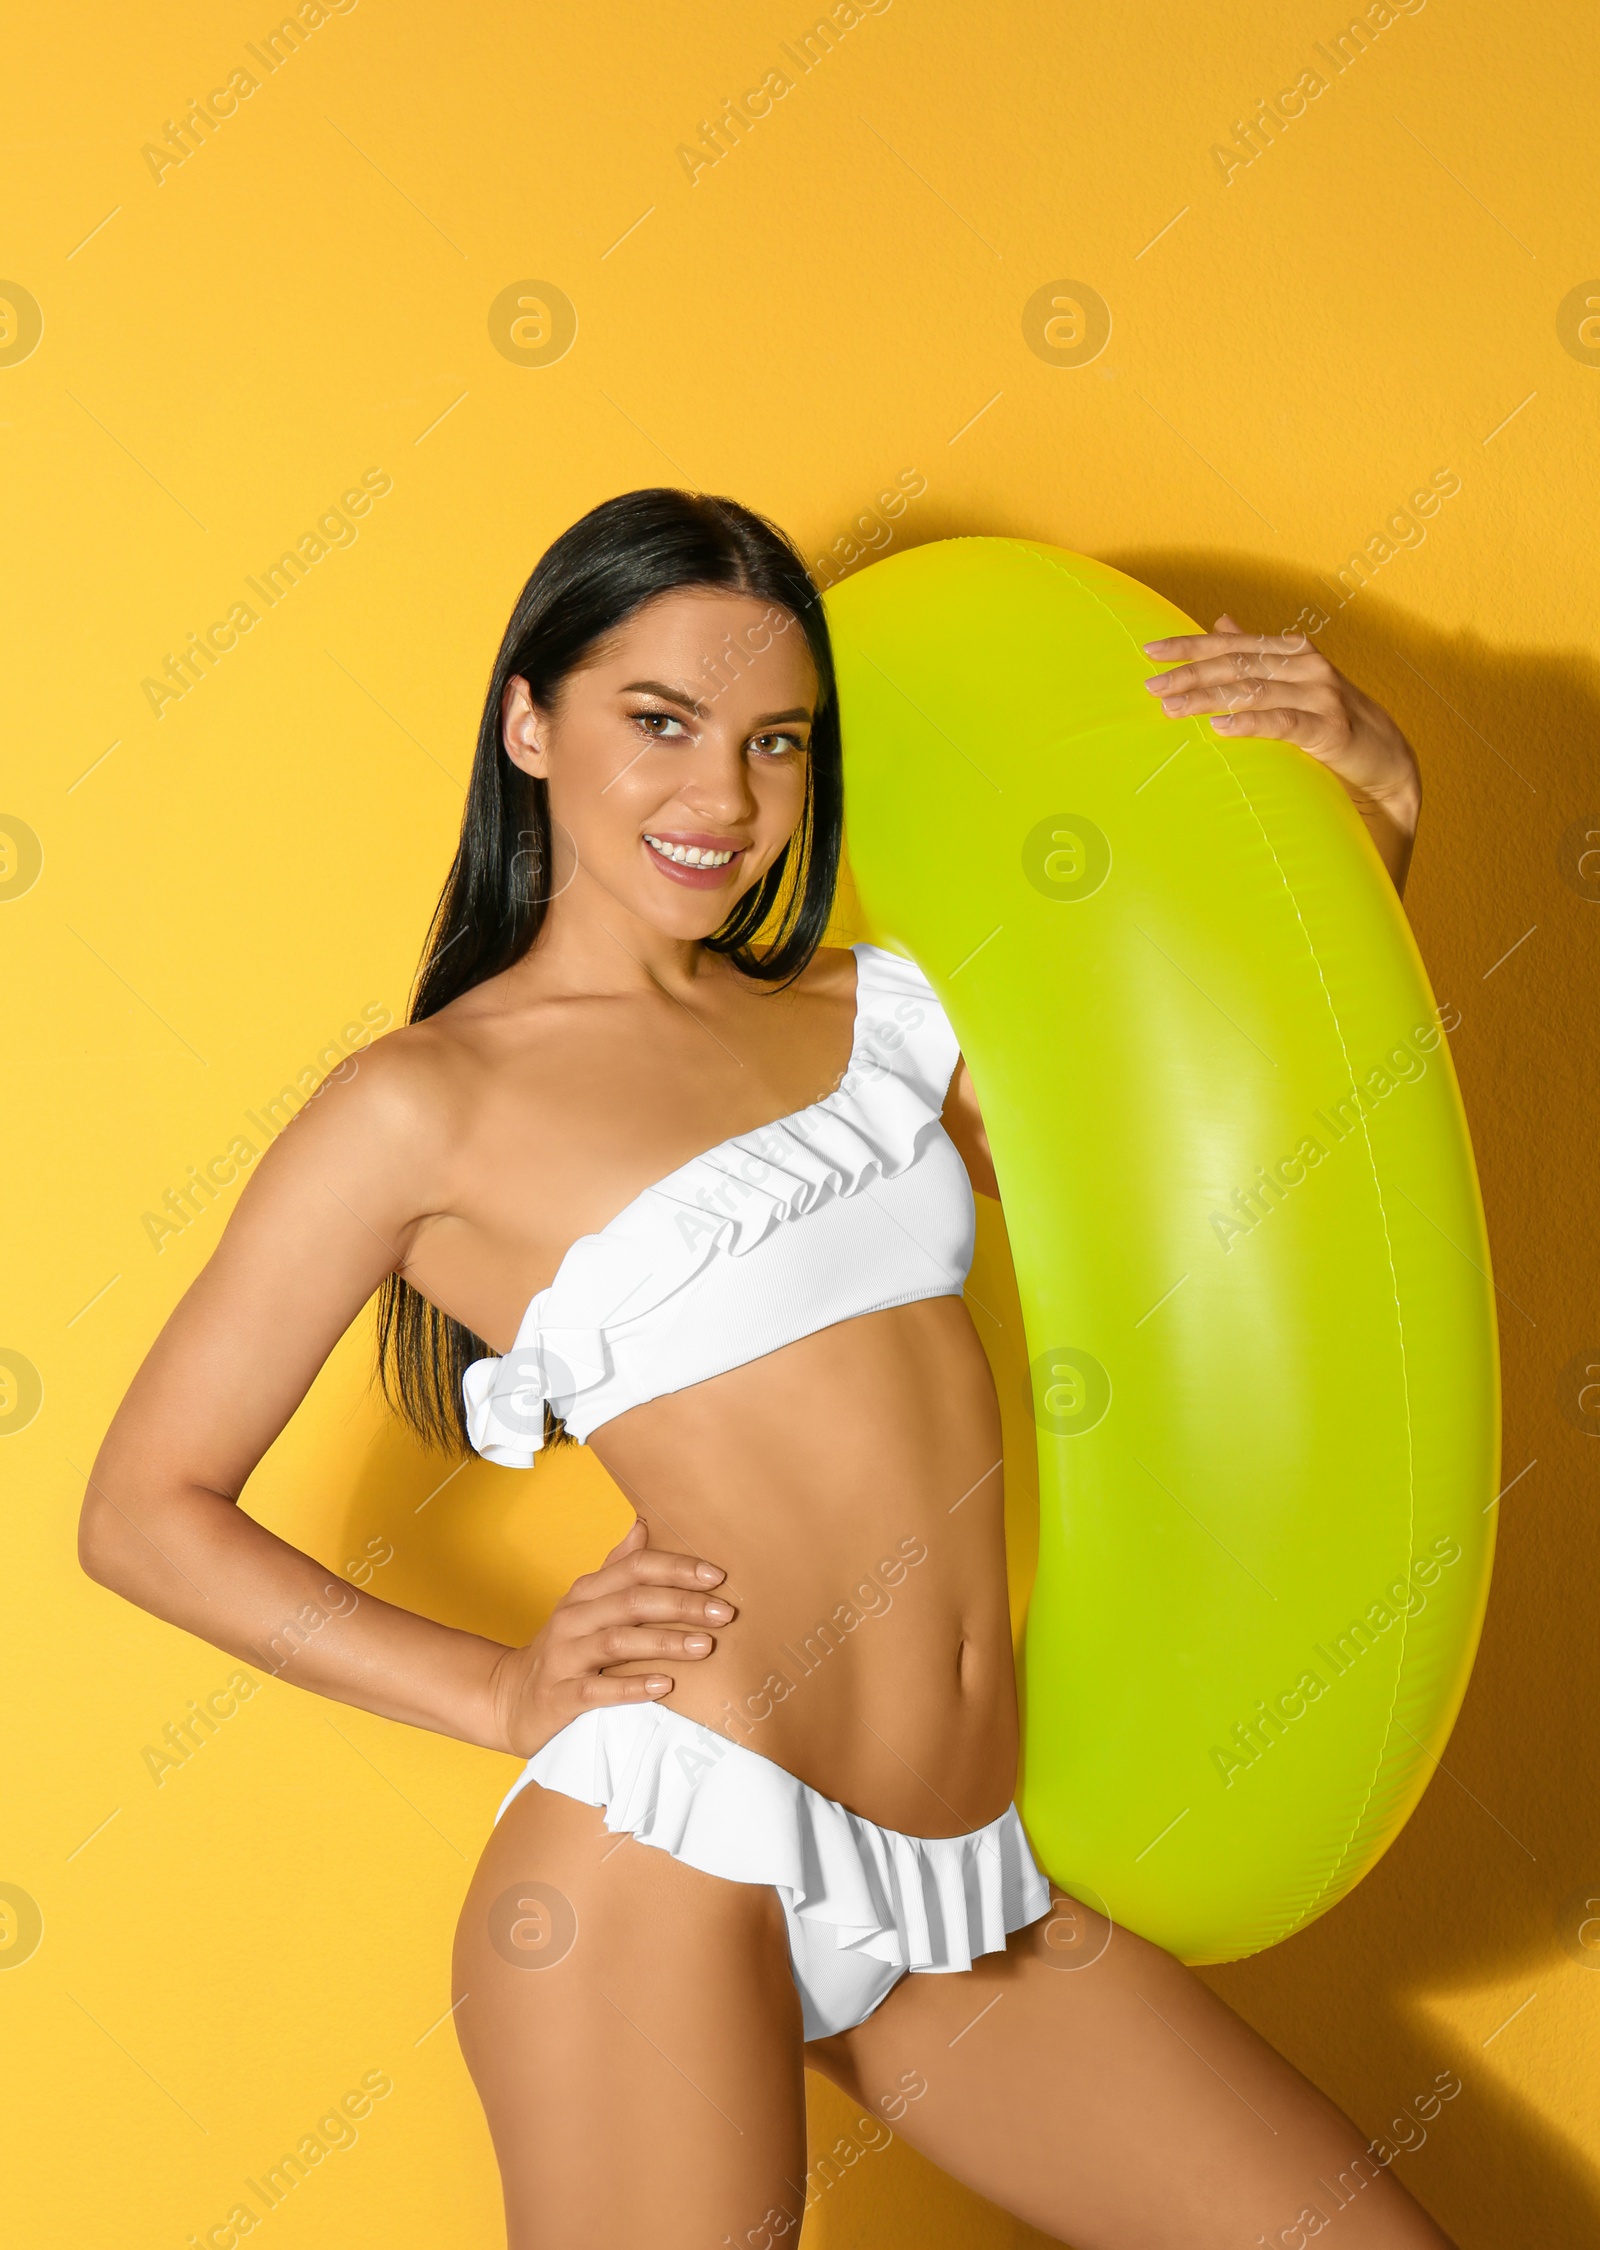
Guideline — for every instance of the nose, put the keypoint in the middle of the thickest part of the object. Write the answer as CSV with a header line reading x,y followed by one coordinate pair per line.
x,y
717,786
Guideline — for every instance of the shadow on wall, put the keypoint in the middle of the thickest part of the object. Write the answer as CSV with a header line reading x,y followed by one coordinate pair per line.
x,y
1478,1905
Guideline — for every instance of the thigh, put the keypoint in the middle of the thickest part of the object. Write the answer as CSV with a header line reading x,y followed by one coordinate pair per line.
x,y
633,2031
1090,2084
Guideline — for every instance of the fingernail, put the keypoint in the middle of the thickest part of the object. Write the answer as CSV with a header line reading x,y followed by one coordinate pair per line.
x,y
656,1686
1156,648
1224,725
718,1612
708,1573
697,1643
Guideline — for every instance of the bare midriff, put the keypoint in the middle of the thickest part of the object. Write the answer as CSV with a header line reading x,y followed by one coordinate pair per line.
x,y
850,1486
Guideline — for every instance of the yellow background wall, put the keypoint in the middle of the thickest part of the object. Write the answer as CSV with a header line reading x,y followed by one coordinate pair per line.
x,y
1391,285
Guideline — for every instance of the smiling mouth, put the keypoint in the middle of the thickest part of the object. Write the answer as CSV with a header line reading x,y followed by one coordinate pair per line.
x,y
702,865
690,855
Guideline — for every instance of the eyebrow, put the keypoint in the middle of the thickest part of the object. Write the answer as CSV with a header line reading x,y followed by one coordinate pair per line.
x,y
703,710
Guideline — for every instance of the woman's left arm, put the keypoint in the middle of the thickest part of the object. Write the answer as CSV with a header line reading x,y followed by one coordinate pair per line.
x,y
1278,685
963,1121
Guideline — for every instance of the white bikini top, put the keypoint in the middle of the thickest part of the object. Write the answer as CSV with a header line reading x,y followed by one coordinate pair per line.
x,y
672,1291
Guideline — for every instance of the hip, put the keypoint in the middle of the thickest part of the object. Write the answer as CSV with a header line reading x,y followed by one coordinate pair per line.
x,y
863,1904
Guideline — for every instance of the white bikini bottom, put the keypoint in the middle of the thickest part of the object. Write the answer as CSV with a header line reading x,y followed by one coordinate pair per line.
x,y
864,1904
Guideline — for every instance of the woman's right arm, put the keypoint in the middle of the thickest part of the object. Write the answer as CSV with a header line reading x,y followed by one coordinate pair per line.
x,y
332,1207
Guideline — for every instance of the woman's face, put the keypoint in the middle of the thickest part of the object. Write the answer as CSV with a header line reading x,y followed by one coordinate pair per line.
x,y
675,755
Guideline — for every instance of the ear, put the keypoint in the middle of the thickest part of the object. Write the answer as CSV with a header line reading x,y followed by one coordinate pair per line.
x,y
524,729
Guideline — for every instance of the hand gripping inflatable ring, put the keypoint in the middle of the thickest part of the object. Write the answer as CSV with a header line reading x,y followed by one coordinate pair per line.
x,y
1246,1229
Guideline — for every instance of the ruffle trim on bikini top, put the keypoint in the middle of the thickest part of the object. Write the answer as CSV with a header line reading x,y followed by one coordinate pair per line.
x,y
918,1902
730,1198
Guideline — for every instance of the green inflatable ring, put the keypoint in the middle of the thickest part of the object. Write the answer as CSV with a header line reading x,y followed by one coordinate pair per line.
x,y
1246,1228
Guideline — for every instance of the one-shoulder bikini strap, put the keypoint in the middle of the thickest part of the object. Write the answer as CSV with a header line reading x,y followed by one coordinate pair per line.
x,y
901,1026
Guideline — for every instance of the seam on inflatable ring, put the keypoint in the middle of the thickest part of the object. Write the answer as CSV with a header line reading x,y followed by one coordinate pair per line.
x,y
1343,1858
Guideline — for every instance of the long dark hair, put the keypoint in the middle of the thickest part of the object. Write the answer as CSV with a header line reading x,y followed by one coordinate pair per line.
x,y
613,560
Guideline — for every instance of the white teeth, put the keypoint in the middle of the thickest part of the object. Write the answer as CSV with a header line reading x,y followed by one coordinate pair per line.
x,y
687,855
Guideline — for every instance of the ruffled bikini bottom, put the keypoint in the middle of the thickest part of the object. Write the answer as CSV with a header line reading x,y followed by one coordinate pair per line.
x,y
865,1905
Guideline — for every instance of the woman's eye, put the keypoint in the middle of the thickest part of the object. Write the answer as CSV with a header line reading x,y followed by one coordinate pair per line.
x,y
656,723
774,745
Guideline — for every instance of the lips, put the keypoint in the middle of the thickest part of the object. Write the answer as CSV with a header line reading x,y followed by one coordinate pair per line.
x,y
722,853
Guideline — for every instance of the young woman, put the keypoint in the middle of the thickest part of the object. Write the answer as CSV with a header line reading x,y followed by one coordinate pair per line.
x,y
652,1169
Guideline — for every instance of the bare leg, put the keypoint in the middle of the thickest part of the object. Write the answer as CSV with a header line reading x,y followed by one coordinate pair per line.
x,y
634,2033
1117,2103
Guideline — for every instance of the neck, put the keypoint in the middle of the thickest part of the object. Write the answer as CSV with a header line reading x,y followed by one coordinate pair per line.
x,y
591,943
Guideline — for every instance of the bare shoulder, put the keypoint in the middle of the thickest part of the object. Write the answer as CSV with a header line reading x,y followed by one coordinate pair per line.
x,y
387,1118
829,974
816,1005
837,962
